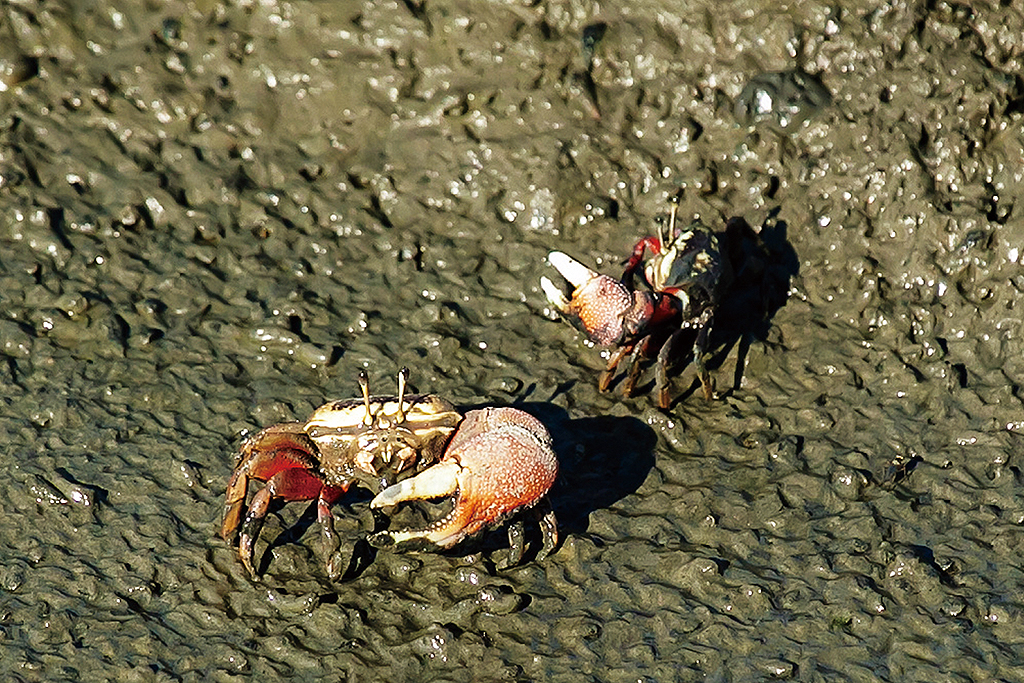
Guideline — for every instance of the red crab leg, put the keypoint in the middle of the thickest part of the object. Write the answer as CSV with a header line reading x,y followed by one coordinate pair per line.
x,y
282,456
636,259
264,454
291,484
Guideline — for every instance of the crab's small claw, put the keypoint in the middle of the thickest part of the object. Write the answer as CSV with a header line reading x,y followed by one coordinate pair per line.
x,y
603,307
500,461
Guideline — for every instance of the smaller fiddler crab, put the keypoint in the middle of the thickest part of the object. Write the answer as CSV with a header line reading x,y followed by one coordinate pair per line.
x,y
493,462
683,281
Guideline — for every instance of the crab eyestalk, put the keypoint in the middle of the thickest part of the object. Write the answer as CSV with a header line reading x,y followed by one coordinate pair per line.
x,y
364,386
671,223
403,378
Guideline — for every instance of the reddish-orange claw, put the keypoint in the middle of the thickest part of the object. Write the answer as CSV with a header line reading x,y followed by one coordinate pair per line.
x,y
499,462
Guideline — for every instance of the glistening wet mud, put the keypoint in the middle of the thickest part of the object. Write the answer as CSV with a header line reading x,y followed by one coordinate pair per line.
x,y
213,215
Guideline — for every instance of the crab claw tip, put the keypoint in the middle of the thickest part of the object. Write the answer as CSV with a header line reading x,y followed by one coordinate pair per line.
x,y
572,270
554,295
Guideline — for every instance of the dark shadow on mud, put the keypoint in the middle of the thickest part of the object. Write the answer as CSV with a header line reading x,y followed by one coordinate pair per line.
x,y
764,263
601,460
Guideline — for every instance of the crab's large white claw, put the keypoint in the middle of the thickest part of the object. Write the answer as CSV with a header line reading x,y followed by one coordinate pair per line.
x,y
577,274
572,270
500,461
433,482
598,303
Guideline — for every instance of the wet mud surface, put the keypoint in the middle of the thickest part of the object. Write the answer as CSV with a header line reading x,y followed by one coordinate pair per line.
x,y
213,215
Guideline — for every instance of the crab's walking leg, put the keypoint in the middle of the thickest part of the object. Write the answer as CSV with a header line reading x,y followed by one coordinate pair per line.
x,y
292,484
640,351
661,368
263,455
605,379
516,543
700,346
282,456
544,515
329,495
636,259
548,528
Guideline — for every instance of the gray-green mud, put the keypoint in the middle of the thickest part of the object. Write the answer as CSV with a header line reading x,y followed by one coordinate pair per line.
x,y
213,214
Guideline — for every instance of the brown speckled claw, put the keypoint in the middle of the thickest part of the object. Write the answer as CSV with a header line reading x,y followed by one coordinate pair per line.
x,y
499,462
600,305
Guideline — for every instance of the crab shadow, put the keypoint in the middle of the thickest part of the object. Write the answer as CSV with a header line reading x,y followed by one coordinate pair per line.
x,y
601,461
762,263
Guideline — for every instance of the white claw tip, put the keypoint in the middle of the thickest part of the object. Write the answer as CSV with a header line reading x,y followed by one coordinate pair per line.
x,y
433,482
554,295
572,270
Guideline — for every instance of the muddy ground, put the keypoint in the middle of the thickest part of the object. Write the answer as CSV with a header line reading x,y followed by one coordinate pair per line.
x,y
212,215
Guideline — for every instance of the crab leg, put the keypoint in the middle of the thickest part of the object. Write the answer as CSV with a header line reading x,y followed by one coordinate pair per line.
x,y
263,455
699,353
291,484
605,379
281,456
329,495
633,376
545,518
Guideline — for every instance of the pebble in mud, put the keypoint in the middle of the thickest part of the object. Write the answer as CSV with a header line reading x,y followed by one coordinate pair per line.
x,y
786,99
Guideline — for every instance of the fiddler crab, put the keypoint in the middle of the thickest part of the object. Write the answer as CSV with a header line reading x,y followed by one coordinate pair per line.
x,y
683,281
493,463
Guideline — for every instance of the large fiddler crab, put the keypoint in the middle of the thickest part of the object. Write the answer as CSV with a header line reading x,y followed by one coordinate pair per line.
x,y
493,462
683,280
